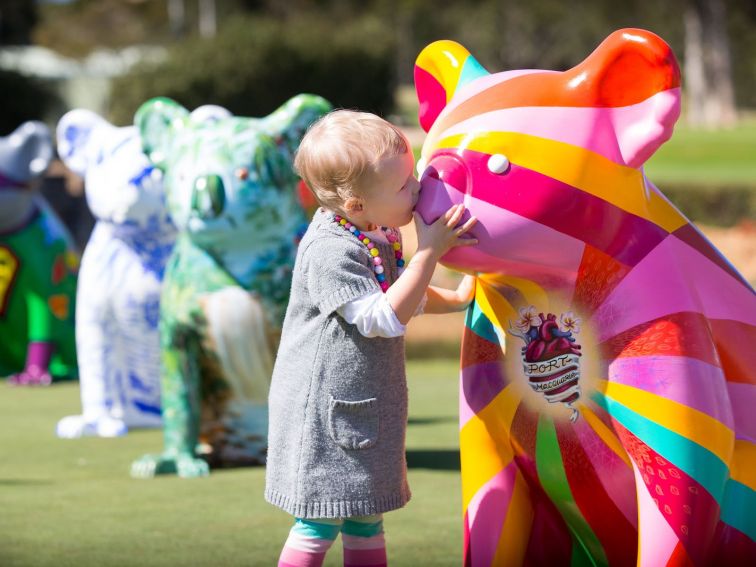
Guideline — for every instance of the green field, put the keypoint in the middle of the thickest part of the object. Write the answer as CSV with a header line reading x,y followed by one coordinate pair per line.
x,y
711,158
72,502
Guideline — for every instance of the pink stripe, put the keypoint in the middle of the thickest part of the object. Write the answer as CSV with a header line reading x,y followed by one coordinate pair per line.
x,y
673,278
689,381
611,132
478,386
296,558
533,256
469,90
547,202
614,474
486,514
658,540
365,557
358,542
308,544
743,400
695,239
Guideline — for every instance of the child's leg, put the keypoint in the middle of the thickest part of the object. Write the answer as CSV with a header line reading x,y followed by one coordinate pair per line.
x,y
308,542
364,545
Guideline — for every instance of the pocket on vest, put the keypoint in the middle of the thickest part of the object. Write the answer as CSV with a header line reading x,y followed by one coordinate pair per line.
x,y
353,425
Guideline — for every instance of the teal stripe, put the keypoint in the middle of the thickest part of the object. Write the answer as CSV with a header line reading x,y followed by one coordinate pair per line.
x,y
553,478
738,507
322,529
479,324
362,529
699,463
470,71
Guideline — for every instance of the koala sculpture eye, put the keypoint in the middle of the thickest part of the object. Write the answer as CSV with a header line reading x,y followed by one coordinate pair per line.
x,y
498,163
208,196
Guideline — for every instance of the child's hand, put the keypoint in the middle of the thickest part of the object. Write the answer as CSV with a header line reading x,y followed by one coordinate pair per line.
x,y
444,234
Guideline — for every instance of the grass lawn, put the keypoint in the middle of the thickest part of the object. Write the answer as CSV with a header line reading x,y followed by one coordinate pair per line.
x,y
73,503
700,157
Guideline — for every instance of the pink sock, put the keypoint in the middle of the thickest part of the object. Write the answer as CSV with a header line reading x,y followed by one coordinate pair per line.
x,y
364,551
303,551
291,557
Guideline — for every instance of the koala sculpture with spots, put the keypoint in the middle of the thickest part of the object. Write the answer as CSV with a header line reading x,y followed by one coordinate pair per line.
x,y
231,192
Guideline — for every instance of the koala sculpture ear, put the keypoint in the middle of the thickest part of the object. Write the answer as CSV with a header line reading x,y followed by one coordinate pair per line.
x,y
77,136
440,70
290,121
157,121
634,67
27,152
209,113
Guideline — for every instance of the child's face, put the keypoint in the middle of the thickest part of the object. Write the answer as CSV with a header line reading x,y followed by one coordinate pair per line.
x,y
390,192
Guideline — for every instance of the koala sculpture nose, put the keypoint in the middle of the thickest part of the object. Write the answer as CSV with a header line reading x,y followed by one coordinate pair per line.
x,y
208,196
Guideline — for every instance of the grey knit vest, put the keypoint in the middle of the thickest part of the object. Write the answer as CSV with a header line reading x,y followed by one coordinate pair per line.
x,y
338,400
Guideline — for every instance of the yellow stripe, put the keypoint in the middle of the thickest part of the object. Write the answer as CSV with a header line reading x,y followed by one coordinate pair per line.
x,y
606,434
494,306
619,185
531,291
484,455
743,465
515,535
692,424
444,60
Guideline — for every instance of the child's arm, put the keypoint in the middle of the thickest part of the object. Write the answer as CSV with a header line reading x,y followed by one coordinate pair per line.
x,y
441,300
433,241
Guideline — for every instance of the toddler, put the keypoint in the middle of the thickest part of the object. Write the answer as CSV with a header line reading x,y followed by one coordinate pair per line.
x,y
338,398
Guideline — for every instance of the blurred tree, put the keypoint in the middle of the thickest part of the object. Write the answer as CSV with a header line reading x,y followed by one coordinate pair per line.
x,y
17,18
23,98
77,28
253,65
708,72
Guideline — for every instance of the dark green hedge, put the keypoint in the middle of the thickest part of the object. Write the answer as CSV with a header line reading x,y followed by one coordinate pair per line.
x,y
714,205
254,65
23,98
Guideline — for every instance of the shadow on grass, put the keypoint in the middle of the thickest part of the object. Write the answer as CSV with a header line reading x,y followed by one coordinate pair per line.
x,y
430,420
23,482
434,459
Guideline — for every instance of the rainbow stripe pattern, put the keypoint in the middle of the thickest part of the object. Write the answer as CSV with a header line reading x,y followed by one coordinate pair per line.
x,y
608,366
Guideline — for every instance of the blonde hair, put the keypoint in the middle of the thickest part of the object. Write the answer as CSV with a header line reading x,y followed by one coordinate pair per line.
x,y
339,148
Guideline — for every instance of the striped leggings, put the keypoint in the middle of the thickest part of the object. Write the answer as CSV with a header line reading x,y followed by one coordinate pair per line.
x,y
309,540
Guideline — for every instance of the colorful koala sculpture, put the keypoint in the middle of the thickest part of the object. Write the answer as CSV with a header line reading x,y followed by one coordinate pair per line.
x,y
120,278
37,267
231,192
607,382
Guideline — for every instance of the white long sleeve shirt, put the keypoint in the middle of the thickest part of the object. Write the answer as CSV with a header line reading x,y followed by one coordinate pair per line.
x,y
372,314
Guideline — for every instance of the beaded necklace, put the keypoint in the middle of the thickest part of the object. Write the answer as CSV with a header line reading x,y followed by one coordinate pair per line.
x,y
378,268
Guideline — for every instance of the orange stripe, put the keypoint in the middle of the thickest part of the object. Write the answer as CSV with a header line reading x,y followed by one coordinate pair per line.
x,y
515,534
735,346
587,84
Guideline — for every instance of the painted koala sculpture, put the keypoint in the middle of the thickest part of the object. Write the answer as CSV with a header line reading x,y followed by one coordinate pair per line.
x,y
232,194
606,411
120,278
37,267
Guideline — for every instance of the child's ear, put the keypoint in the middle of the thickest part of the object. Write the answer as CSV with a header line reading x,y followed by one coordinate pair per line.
x,y
26,153
440,70
157,121
353,205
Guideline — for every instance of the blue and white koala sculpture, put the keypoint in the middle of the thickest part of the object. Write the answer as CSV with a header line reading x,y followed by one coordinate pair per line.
x,y
121,275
